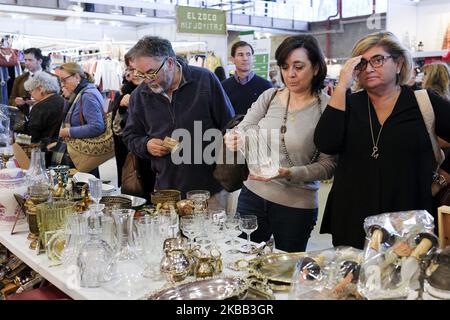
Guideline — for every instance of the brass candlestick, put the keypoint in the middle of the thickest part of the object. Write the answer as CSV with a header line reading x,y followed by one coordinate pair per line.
x,y
30,207
33,235
5,158
60,192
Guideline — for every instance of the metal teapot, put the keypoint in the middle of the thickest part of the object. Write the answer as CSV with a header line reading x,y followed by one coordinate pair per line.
x,y
204,267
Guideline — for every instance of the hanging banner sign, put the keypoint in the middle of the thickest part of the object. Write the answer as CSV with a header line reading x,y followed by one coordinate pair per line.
x,y
199,20
261,58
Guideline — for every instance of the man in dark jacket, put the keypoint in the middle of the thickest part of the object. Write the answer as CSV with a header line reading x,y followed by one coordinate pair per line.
x,y
245,86
19,96
174,96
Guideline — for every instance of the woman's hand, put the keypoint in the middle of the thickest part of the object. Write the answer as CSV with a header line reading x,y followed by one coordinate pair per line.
x,y
282,173
64,133
51,146
125,101
348,72
346,79
232,140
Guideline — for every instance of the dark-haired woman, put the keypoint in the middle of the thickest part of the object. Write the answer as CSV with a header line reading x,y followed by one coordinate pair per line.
x,y
287,205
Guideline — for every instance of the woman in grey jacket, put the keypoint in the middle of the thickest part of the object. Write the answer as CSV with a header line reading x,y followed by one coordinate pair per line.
x,y
287,205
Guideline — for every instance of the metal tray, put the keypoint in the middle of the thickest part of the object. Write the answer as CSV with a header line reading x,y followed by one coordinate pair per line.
x,y
135,201
209,289
278,268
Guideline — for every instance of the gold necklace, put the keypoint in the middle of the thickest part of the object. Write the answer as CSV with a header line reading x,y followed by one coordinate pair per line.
x,y
375,153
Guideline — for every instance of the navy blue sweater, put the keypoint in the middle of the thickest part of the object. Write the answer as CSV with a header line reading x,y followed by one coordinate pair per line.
x,y
242,96
200,97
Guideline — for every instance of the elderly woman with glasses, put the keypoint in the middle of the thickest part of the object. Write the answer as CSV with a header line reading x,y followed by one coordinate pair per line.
x,y
385,153
84,116
46,114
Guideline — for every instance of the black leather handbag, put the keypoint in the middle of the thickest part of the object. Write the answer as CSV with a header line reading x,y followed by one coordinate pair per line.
x,y
230,176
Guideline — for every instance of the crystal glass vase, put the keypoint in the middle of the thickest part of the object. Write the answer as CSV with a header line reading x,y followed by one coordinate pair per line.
x,y
257,149
124,274
200,200
36,173
52,217
75,235
95,254
151,239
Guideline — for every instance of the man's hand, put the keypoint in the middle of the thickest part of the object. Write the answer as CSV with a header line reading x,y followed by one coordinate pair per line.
x,y
155,148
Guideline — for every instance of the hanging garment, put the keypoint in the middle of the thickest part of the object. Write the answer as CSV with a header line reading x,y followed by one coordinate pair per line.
x,y
4,77
212,62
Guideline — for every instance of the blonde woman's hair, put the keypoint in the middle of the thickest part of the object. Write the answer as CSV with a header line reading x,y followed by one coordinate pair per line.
x,y
392,45
75,68
437,79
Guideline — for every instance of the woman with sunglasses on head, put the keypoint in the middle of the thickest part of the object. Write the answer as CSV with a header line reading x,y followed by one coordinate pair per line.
x,y
84,115
386,159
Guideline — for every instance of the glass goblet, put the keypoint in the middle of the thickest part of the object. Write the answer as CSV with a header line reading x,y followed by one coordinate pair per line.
x,y
232,228
95,188
248,224
189,227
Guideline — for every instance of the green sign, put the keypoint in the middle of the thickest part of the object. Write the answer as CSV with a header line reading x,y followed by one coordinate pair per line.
x,y
198,20
261,65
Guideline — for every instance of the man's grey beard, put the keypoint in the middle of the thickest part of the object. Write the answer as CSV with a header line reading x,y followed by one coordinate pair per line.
x,y
156,89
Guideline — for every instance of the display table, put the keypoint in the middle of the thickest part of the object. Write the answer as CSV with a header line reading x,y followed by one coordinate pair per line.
x,y
65,279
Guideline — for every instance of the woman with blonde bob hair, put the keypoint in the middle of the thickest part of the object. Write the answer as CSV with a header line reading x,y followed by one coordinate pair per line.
x,y
385,154
84,117
437,78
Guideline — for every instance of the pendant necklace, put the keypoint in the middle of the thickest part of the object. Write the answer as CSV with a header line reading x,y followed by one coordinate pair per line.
x,y
375,153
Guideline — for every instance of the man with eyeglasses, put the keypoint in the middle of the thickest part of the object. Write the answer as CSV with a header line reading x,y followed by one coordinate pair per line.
x,y
174,96
245,86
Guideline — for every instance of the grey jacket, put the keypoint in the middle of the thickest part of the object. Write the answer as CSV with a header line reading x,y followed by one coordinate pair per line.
x,y
301,190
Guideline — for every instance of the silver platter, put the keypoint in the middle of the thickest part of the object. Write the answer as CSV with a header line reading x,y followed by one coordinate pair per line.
x,y
135,201
209,289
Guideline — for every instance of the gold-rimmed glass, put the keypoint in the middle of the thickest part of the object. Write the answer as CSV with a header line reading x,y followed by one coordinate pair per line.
x,y
149,75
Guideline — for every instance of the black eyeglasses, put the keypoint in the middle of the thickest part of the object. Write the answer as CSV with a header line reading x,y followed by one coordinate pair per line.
x,y
63,80
376,62
149,75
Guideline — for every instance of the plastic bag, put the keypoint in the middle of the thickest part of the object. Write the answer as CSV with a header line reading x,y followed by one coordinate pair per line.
x,y
5,132
330,274
395,244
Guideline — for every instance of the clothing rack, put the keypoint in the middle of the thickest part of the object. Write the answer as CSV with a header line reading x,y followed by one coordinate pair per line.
x,y
6,41
102,55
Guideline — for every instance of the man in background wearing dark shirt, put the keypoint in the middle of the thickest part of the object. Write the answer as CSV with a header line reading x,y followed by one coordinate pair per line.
x,y
245,87
19,96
